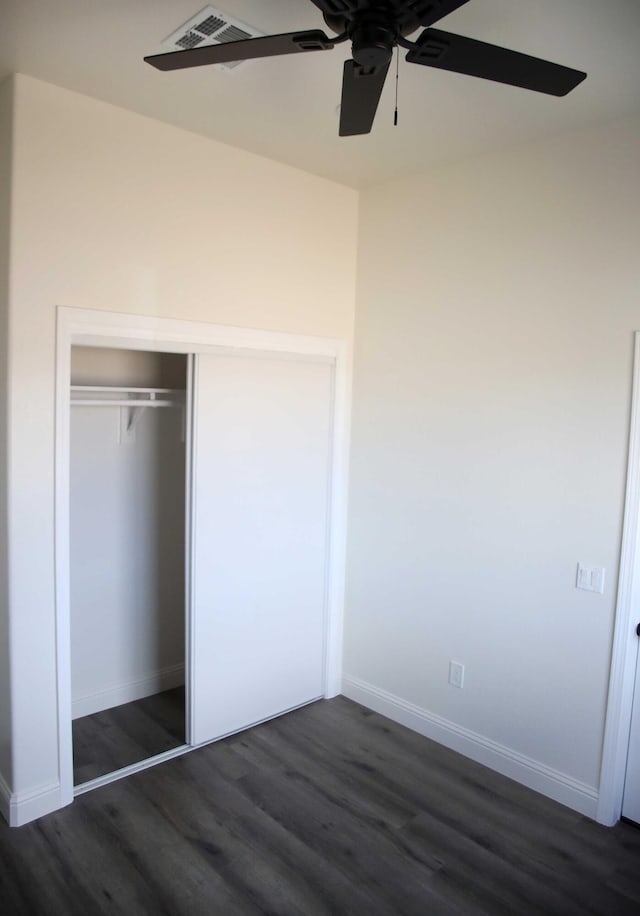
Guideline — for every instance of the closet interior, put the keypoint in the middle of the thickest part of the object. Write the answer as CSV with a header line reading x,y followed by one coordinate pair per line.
x,y
127,553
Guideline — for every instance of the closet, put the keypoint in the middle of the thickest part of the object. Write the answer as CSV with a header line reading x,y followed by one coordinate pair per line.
x,y
200,494
127,553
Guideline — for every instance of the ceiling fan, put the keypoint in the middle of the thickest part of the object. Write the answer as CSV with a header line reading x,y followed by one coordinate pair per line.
x,y
375,28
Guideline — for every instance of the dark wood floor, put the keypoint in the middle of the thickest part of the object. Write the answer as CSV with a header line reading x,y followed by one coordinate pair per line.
x,y
328,810
112,739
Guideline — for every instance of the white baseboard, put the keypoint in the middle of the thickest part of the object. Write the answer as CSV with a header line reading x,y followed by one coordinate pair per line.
x,y
528,772
117,694
21,808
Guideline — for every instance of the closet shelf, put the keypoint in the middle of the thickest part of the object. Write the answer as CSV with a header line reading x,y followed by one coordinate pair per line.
x,y
109,396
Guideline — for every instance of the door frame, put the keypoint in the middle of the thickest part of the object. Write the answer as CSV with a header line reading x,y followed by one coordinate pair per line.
x,y
85,327
624,655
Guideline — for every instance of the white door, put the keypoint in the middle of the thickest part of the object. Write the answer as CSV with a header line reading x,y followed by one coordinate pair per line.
x,y
261,443
631,799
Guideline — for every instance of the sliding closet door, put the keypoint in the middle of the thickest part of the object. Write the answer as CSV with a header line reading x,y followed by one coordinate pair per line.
x,y
260,487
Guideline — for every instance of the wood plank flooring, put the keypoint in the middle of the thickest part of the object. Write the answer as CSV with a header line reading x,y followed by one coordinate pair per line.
x,y
117,737
331,809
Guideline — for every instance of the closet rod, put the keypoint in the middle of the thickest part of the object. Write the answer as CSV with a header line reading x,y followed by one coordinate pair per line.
x,y
123,389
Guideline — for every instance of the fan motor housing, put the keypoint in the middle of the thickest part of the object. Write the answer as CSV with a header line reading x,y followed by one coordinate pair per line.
x,y
372,45
373,33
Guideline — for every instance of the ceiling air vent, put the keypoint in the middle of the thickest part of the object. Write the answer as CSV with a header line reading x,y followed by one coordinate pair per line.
x,y
210,27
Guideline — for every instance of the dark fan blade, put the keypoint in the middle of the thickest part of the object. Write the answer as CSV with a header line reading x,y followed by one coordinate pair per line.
x,y
361,91
338,7
250,48
426,12
475,58
431,11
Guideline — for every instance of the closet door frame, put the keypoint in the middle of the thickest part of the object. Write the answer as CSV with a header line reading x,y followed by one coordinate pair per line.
x,y
84,327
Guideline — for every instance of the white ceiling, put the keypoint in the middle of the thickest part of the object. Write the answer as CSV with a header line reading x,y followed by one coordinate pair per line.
x,y
286,108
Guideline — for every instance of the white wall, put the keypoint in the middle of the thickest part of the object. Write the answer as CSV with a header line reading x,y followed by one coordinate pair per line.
x,y
114,211
497,301
127,546
6,142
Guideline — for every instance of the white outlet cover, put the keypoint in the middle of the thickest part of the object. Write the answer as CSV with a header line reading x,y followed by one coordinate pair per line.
x,y
590,578
456,674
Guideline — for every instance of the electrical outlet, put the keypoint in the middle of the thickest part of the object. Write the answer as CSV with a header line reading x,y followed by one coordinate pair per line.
x,y
591,578
456,674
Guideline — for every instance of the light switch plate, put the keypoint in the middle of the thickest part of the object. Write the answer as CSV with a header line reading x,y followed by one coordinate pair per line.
x,y
590,578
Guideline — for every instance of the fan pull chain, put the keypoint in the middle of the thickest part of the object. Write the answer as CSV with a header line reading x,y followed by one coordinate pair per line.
x,y
395,114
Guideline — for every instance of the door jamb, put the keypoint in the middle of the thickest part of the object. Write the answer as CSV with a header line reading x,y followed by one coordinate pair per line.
x,y
625,642
136,332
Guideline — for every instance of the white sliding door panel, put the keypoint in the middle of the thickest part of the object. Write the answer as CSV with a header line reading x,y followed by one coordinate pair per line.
x,y
261,481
